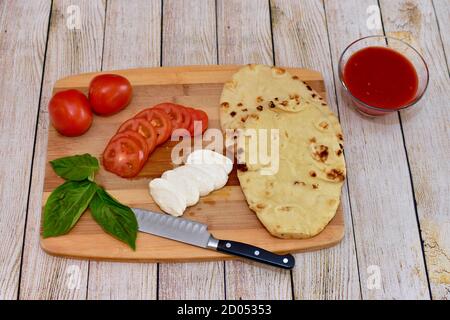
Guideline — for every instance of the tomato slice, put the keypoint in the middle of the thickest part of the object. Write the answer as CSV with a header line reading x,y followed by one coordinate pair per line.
x,y
179,116
139,139
187,119
199,118
144,128
123,156
160,121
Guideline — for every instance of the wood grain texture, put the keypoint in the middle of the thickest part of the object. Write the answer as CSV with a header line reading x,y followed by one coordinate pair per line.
x,y
134,192
122,281
244,36
427,136
189,37
301,39
385,226
442,12
68,52
22,43
189,32
243,31
23,28
174,75
132,39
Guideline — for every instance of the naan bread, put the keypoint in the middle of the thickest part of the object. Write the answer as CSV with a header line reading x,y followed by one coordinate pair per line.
x,y
303,196
258,87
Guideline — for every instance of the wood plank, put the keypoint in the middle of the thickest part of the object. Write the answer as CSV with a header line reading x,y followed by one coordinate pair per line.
x,y
301,39
442,11
189,37
427,135
23,34
385,226
69,51
132,39
244,36
189,32
122,281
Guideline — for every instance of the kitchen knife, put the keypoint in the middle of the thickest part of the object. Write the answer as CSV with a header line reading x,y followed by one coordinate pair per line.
x,y
197,234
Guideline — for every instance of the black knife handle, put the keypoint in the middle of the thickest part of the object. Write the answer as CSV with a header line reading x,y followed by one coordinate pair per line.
x,y
244,250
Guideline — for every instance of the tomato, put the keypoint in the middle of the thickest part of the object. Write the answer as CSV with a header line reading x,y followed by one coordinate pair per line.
x,y
109,93
123,156
70,113
144,128
179,116
200,119
139,139
160,121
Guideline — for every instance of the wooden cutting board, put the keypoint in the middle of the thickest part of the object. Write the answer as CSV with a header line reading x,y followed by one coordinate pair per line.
x,y
225,211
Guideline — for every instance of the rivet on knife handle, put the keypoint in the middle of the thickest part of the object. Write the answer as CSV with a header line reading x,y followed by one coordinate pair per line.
x,y
244,250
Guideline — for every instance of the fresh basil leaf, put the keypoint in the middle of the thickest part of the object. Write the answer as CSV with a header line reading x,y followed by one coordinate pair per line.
x,y
76,168
65,206
114,217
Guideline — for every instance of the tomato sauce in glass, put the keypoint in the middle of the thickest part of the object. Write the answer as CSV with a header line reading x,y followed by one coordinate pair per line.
x,y
381,77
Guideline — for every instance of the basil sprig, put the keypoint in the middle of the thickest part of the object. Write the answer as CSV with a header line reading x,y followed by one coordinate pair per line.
x,y
114,217
76,168
67,202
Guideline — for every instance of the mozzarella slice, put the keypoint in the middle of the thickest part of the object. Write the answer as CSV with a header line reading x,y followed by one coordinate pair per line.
x,y
206,156
167,196
204,172
204,181
188,187
215,171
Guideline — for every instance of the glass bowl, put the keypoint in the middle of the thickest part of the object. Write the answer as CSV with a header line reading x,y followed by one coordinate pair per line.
x,y
401,47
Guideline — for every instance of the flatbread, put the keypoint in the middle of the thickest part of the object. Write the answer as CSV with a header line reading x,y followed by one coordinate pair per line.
x,y
258,87
300,199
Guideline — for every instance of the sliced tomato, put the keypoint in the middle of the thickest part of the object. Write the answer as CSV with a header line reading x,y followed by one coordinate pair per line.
x,y
123,156
160,121
179,116
139,139
199,118
144,128
187,119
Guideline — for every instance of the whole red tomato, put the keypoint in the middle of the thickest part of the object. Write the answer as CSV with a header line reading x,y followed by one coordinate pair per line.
x,y
109,93
70,112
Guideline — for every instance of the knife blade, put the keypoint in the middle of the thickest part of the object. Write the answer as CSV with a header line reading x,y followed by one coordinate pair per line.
x,y
197,234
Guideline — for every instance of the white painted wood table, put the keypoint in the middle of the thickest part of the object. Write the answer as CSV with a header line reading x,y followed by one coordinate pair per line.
x,y
396,199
